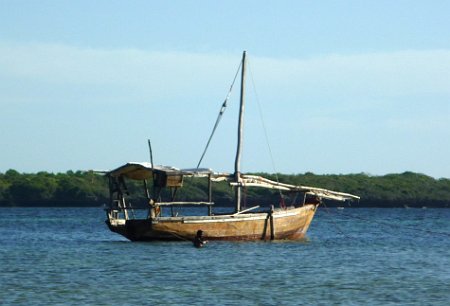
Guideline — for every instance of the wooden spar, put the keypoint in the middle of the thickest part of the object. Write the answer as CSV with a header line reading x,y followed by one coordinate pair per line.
x,y
151,162
151,153
269,218
246,210
147,194
209,194
237,163
272,230
184,203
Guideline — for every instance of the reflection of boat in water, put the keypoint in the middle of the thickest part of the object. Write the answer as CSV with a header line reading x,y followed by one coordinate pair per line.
x,y
286,222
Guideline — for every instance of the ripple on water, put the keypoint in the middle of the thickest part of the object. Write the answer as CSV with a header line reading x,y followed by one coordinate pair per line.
x,y
355,256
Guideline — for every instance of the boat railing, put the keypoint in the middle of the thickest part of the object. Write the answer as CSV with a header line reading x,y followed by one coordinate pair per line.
x,y
184,203
119,211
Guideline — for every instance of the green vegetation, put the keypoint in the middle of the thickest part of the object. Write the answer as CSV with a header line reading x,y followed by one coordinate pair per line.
x,y
90,189
391,190
48,189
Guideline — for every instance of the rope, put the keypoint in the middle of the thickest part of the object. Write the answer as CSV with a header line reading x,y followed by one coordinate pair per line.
x,y
219,116
261,117
178,236
334,223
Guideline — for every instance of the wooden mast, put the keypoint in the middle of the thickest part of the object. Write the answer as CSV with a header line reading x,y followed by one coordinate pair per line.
x,y
237,163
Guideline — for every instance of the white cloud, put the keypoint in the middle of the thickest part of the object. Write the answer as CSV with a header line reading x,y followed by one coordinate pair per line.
x,y
123,71
167,73
348,102
363,75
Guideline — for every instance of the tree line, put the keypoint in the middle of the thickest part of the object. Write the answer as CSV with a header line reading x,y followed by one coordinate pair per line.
x,y
86,188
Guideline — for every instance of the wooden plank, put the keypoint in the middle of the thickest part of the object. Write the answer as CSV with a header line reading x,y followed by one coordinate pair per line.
x,y
183,203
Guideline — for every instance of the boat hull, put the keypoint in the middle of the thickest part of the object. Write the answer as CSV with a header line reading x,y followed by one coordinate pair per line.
x,y
280,224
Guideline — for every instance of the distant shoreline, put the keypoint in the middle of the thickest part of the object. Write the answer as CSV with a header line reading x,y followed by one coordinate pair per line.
x,y
88,189
51,204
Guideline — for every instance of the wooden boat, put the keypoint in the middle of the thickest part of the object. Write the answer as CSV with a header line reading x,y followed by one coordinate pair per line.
x,y
160,222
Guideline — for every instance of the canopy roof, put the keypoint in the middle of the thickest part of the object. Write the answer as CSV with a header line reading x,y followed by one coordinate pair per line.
x,y
258,181
145,170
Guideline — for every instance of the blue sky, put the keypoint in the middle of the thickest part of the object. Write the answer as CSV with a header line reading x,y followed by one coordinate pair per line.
x,y
344,86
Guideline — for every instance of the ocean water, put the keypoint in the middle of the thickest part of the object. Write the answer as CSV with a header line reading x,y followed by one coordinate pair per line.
x,y
67,256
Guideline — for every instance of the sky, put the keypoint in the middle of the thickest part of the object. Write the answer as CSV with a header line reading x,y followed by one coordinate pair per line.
x,y
333,87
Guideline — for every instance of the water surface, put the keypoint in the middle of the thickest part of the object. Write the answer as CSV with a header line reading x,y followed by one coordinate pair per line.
x,y
352,257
